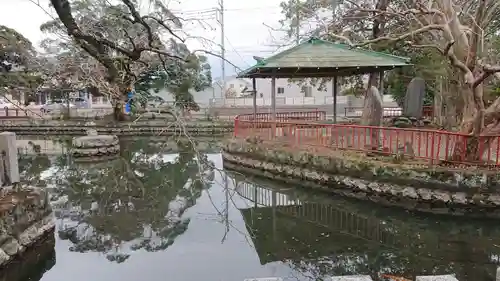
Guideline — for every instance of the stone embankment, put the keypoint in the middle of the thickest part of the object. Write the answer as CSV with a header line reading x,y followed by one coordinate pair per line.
x,y
26,230
414,187
121,129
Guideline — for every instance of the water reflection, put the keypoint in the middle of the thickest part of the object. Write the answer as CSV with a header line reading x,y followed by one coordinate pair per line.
x,y
149,209
323,237
134,202
35,263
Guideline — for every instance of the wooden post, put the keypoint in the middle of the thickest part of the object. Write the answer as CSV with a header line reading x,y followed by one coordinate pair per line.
x,y
254,90
273,106
273,98
334,93
381,84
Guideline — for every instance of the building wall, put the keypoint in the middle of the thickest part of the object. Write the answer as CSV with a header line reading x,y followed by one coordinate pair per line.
x,y
203,97
284,88
288,93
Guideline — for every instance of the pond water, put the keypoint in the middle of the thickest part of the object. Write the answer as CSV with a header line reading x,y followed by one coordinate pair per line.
x,y
156,215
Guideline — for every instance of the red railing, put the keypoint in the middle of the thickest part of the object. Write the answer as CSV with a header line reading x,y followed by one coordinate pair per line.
x,y
286,116
427,111
434,146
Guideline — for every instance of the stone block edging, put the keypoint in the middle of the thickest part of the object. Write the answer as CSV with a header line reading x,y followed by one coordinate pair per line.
x,y
467,180
418,198
25,219
122,130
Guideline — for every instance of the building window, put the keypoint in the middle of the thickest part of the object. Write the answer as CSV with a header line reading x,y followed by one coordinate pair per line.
x,y
307,90
281,90
231,86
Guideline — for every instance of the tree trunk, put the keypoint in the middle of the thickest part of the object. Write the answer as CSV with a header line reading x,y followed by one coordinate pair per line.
x,y
118,114
451,106
367,118
373,113
438,103
478,124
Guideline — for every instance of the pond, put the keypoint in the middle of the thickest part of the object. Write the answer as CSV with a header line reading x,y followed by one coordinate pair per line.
x,y
163,213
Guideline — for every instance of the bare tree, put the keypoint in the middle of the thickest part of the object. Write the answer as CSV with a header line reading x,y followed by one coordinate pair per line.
x,y
460,30
459,33
127,43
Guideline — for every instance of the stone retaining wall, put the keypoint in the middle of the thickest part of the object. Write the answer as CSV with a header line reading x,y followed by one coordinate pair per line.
x,y
416,188
26,224
195,129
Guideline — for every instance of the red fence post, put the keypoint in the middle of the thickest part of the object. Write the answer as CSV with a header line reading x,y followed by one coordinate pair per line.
x,y
236,123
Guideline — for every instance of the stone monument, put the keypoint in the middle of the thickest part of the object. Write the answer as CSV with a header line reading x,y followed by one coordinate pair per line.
x,y
414,99
9,166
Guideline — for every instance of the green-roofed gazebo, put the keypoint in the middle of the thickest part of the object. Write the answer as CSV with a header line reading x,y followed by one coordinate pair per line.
x,y
317,58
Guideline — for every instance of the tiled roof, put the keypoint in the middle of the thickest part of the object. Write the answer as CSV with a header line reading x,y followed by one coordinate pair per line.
x,y
315,54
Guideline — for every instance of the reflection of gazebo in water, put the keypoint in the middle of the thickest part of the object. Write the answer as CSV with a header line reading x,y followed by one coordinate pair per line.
x,y
335,230
317,58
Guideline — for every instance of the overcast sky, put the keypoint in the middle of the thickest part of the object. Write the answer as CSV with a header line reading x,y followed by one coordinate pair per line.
x,y
246,34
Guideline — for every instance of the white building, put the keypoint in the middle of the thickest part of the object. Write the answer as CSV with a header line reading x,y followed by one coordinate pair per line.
x,y
202,98
238,92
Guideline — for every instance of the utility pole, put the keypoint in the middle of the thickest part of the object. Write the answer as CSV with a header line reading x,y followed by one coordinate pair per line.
x,y
297,15
222,46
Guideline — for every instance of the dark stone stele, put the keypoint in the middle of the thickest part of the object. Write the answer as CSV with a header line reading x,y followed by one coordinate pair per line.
x,y
414,99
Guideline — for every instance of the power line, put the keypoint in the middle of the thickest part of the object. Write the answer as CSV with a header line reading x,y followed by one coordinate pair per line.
x,y
209,10
235,51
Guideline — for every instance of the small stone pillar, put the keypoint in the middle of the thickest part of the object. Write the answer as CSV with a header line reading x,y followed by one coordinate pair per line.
x,y
9,165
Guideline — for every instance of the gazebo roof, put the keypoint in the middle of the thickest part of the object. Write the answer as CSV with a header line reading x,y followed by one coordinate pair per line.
x,y
320,58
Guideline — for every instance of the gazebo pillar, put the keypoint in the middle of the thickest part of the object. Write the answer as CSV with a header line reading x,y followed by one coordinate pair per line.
x,y
381,84
273,99
273,106
334,94
254,91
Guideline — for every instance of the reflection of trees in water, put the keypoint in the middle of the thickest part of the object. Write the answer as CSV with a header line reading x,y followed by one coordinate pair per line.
x,y
32,164
332,236
136,201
